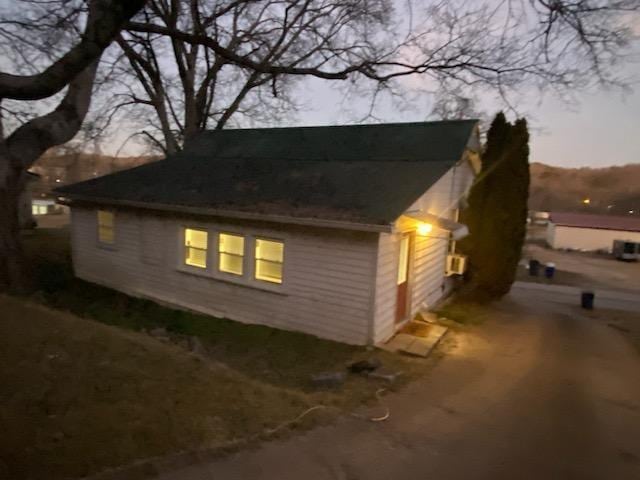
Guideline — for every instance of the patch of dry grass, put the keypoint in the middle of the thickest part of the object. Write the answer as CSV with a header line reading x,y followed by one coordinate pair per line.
x,y
78,396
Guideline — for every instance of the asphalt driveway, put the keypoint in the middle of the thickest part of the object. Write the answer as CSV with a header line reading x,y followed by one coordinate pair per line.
x,y
538,392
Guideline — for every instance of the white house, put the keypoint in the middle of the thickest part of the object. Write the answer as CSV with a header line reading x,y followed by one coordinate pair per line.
x,y
341,232
581,231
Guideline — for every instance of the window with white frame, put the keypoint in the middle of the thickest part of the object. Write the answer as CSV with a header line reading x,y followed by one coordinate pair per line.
x,y
269,257
230,253
106,227
195,247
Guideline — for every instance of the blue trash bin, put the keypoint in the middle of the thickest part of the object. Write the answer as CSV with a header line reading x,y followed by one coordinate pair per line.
x,y
587,300
549,270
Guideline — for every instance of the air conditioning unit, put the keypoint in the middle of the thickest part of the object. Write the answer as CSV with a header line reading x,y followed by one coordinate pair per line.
x,y
456,264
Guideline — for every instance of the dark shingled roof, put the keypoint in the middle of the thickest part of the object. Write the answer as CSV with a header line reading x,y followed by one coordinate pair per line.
x,y
366,174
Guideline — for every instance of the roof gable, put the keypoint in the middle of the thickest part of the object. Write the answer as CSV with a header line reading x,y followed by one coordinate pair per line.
x,y
361,174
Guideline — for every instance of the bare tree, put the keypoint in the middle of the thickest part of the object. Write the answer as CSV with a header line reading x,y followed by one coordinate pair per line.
x,y
75,69
200,64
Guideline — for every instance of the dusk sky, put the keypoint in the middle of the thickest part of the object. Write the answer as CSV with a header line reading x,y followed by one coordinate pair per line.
x,y
601,129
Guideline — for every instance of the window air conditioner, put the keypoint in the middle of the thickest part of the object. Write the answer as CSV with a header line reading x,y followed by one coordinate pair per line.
x,y
456,264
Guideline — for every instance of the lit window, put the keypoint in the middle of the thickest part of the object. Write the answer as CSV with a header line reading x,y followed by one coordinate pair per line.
x,y
106,224
231,253
403,261
195,247
269,259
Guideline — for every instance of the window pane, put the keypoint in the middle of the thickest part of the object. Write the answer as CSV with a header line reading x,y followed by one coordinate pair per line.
x,y
105,218
231,263
196,257
195,238
269,250
195,242
269,271
106,223
231,244
402,260
105,234
269,258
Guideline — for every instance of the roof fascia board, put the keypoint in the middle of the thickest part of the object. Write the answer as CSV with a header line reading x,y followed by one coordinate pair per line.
x,y
214,212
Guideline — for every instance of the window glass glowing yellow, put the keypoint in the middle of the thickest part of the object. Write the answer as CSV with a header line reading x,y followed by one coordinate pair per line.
x,y
195,251
403,257
231,253
269,260
106,227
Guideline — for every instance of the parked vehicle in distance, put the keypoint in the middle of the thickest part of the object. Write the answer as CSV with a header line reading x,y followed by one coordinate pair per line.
x,y
626,250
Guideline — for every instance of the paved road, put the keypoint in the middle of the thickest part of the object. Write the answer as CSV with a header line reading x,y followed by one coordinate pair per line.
x,y
538,392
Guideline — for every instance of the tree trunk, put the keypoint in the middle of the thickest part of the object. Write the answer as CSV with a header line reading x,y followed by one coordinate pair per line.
x,y
13,267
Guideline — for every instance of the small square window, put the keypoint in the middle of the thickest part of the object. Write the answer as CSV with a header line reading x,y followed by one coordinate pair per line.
x,y
269,260
106,227
195,251
230,253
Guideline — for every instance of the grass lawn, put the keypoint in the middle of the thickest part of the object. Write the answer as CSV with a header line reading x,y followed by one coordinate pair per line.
x,y
109,395
78,396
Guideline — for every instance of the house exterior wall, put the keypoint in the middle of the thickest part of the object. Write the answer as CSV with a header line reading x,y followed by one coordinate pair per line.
x,y
427,281
586,238
327,289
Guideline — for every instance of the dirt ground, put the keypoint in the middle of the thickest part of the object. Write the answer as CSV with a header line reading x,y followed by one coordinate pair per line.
x,y
589,270
626,323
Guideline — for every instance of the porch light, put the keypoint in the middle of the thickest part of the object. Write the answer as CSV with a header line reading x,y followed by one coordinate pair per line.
x,y
424,229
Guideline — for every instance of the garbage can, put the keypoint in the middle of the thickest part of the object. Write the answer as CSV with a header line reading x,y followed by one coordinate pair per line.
x,y
587,300
534,267
549,270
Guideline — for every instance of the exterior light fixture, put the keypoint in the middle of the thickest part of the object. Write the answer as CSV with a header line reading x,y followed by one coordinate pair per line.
x,y
424,229
586,201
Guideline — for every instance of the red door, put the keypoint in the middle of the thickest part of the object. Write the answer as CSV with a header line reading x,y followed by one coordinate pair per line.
x,y
404,260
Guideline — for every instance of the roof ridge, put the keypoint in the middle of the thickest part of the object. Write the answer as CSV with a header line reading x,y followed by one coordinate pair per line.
x,y
352,125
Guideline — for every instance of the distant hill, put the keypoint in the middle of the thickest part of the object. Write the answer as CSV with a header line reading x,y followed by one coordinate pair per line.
x,y
613,190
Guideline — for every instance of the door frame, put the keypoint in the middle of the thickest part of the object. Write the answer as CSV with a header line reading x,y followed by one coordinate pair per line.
x,y
400,320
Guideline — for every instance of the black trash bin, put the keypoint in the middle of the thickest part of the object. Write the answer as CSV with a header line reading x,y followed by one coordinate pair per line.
x,y
534,268
587,300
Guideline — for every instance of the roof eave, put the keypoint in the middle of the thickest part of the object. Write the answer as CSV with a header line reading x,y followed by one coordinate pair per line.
x,y
67,199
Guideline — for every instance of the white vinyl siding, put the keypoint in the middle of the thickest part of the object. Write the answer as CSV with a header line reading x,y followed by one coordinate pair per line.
x,y
151,251
427,281
328,274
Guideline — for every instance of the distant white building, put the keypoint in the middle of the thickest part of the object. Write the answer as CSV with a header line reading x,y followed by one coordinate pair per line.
x,y
581,231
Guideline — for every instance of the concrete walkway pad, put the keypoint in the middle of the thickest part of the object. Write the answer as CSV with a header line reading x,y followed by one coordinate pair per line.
x,y
417,345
